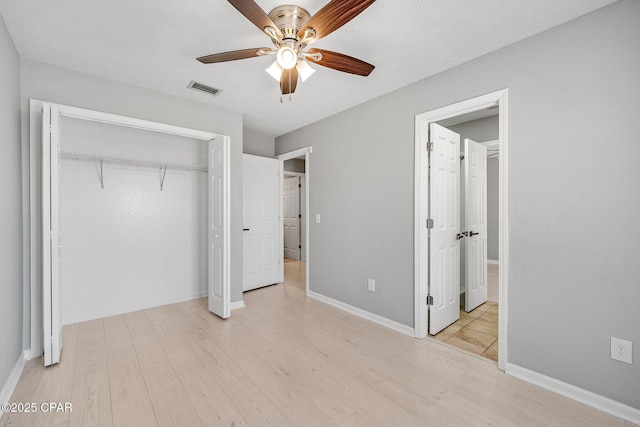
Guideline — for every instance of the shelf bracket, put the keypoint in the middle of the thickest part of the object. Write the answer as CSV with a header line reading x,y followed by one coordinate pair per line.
x,y
101,175
164,173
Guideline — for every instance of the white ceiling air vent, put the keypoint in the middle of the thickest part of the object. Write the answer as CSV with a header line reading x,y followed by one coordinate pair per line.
x,y
204,88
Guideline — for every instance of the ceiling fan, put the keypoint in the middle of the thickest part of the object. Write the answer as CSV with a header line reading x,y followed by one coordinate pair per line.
x,y
292,29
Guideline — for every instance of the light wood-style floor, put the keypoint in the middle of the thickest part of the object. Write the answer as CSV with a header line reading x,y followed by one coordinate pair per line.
x,y
284,360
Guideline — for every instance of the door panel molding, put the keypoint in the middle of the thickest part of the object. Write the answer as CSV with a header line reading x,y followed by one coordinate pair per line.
x,y
444,211
262,222
475,164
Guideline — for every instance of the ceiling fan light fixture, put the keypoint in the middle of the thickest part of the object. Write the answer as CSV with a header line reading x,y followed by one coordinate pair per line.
x,y
287,57
275,71
305,70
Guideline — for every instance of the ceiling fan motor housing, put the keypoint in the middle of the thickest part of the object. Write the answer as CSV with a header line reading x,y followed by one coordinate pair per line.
x,y
289,19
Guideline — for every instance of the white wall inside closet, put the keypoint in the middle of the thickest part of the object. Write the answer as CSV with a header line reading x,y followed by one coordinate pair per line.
x,y
129,245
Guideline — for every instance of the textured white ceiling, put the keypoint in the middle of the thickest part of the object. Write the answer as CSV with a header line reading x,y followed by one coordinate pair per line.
x,y
154,43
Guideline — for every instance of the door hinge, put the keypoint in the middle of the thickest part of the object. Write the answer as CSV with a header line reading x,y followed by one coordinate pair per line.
x,y
299,215
299,185
429,300
429,223
430,146
299,246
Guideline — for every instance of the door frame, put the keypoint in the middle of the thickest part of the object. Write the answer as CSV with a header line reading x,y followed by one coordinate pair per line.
x,y
499,98
35,188
306,151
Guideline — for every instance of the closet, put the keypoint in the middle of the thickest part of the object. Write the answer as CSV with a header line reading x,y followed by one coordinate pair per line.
x,y
133,215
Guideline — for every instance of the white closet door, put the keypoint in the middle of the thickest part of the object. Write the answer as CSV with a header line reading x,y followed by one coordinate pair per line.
x,y
475,156
262,235
51,302
291,210
444,207
219,230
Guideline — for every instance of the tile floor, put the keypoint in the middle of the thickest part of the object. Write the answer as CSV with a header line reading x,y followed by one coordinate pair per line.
x,y
477,331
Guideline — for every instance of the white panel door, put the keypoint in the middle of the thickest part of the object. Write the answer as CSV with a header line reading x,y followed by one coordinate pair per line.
x,y
291,217
262,222
51,302
475,156
219,231
444,209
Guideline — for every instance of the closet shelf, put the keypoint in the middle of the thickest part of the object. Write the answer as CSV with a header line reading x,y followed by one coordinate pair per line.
x,y
130,162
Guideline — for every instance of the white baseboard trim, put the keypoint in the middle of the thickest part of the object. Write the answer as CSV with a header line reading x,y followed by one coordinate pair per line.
x,y
150,304
578,394
237,304
399,327
493,261
12,380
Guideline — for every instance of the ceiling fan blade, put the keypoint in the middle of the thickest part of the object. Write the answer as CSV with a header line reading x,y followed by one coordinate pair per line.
x,y
232,56
334,15
288,81
255,14
341,62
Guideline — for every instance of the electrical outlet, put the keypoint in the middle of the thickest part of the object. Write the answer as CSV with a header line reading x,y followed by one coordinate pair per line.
x,y
622,350
371,285
317,218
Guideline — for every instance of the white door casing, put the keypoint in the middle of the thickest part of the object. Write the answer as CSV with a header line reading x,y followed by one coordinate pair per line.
x,y
262,222
499,98
291,217
444,209
475,159
51,302
218,248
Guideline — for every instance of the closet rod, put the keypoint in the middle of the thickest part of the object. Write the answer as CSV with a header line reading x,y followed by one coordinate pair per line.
x,y
131,162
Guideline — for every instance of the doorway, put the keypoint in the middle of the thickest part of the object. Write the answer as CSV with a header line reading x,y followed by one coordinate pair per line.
x,y
476,327
296,165
425,283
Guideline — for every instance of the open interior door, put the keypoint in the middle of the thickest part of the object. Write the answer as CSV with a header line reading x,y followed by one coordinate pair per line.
x,y
291,208
444,211
219,241
262,219
51,302
475,156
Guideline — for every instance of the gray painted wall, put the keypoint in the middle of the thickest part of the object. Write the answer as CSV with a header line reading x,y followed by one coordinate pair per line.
x,y
480,130
49,83
10,207
258,144
574,95
294,165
